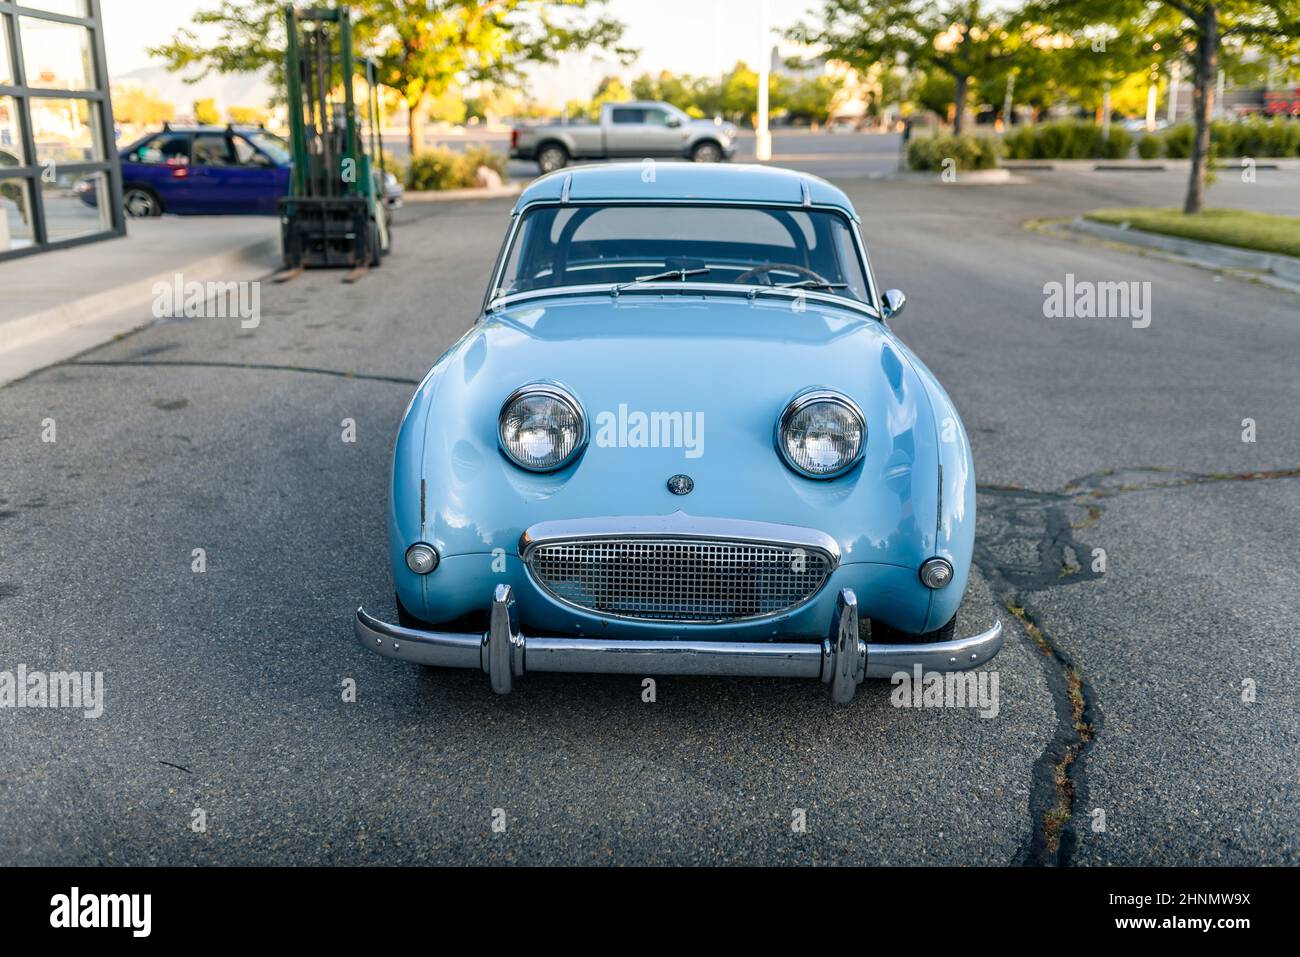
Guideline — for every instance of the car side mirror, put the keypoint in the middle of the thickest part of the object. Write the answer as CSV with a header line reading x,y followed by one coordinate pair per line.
x,y
674,121
894,302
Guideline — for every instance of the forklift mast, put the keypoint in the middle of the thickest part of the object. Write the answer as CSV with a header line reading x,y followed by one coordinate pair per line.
x,y
335,214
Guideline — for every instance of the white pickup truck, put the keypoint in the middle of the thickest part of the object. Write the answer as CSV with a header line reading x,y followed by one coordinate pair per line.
x,y
625,130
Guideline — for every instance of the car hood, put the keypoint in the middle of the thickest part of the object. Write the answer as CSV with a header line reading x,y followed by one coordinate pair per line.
x,y
729,366
724,355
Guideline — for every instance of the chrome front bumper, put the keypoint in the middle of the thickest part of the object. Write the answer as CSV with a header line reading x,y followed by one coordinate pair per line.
x,y
842,661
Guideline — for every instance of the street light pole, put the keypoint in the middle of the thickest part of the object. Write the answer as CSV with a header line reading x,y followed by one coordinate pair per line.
x,y
763,136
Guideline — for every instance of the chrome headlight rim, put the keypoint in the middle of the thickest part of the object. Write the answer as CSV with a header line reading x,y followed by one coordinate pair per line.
x,y
800,402
551,390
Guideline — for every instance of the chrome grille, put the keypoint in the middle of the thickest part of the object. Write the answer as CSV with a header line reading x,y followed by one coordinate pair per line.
x,y
679,579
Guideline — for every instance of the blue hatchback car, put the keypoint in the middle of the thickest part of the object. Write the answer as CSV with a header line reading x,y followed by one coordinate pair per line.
x,y
221,170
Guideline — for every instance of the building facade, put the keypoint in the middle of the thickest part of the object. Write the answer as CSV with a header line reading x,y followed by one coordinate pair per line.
x,y
60,181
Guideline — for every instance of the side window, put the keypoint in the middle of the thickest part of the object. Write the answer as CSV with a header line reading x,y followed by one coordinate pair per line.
x,y
213,149
246,154
168,149
625,114
656,118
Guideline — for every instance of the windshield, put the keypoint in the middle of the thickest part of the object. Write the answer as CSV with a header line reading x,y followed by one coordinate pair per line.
x,y
750,246
272,145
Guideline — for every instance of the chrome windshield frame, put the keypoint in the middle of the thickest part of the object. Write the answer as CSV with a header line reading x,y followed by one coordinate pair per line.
x,y
871,308
686,288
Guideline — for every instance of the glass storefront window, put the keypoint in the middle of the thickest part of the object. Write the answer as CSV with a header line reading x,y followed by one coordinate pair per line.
x,y
11,139
58,162
65,131
6,68
16,230
71,8
73,206
56,56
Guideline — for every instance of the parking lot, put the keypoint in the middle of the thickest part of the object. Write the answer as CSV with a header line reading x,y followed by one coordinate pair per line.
x,y
1124,734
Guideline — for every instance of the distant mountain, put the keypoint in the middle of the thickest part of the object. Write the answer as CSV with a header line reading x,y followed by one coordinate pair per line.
x,y
228,89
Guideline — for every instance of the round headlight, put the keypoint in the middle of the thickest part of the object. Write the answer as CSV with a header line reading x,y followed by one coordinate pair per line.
x,y
821,434
935,572
542,428
421,558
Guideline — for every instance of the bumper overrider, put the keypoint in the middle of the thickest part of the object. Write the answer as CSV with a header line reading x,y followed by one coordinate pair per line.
x,y
841,661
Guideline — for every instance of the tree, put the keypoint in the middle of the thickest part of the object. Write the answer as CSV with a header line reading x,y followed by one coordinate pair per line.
x,y
206,112
248,115
422,49
137,107
1085,67
683,91
448,106
610,90
807,97
959,39
1200,31
739,93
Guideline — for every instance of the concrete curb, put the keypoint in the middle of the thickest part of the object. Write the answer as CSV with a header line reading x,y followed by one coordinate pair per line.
x,y
977,177
1142,165
43,338
1211,254
450,195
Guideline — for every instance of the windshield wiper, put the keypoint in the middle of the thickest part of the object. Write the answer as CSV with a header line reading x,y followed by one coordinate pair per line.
x,y
801,284
811,284
666,274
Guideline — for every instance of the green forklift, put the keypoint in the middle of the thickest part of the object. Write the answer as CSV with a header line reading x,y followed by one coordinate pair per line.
x,y
336,213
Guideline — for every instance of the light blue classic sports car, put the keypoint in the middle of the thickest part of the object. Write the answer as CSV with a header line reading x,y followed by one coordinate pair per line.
x,y
682,439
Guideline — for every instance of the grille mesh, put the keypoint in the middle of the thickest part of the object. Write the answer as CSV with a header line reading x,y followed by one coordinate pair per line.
x,y
679,580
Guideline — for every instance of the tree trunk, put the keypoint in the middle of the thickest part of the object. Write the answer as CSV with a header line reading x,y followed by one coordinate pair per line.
x,y
1207,66
415,126
960,103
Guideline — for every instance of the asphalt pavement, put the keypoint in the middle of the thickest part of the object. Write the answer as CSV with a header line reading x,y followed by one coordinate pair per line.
x,y
1149,712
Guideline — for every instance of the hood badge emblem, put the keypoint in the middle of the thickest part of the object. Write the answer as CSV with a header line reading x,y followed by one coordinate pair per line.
x,y
681,485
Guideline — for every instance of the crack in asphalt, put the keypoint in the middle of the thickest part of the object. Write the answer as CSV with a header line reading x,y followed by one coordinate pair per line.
x,y
1046,523
259,366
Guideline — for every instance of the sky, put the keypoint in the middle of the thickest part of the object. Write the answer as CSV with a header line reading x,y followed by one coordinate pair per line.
x,y
684,36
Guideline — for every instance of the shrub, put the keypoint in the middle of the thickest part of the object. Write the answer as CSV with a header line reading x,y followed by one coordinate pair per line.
x,y
1118,146
1256,136
1068,139
1019,143
1178,141
1253,137
1151,146
392,165
448,169
967,152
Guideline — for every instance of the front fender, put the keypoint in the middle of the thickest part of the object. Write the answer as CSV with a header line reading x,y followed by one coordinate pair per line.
x,y
955,508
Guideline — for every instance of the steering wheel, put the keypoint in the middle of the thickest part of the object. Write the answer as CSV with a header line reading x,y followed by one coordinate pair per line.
x,y
768,268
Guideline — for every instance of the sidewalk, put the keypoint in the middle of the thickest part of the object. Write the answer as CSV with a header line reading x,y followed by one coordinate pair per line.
x,y
58,304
